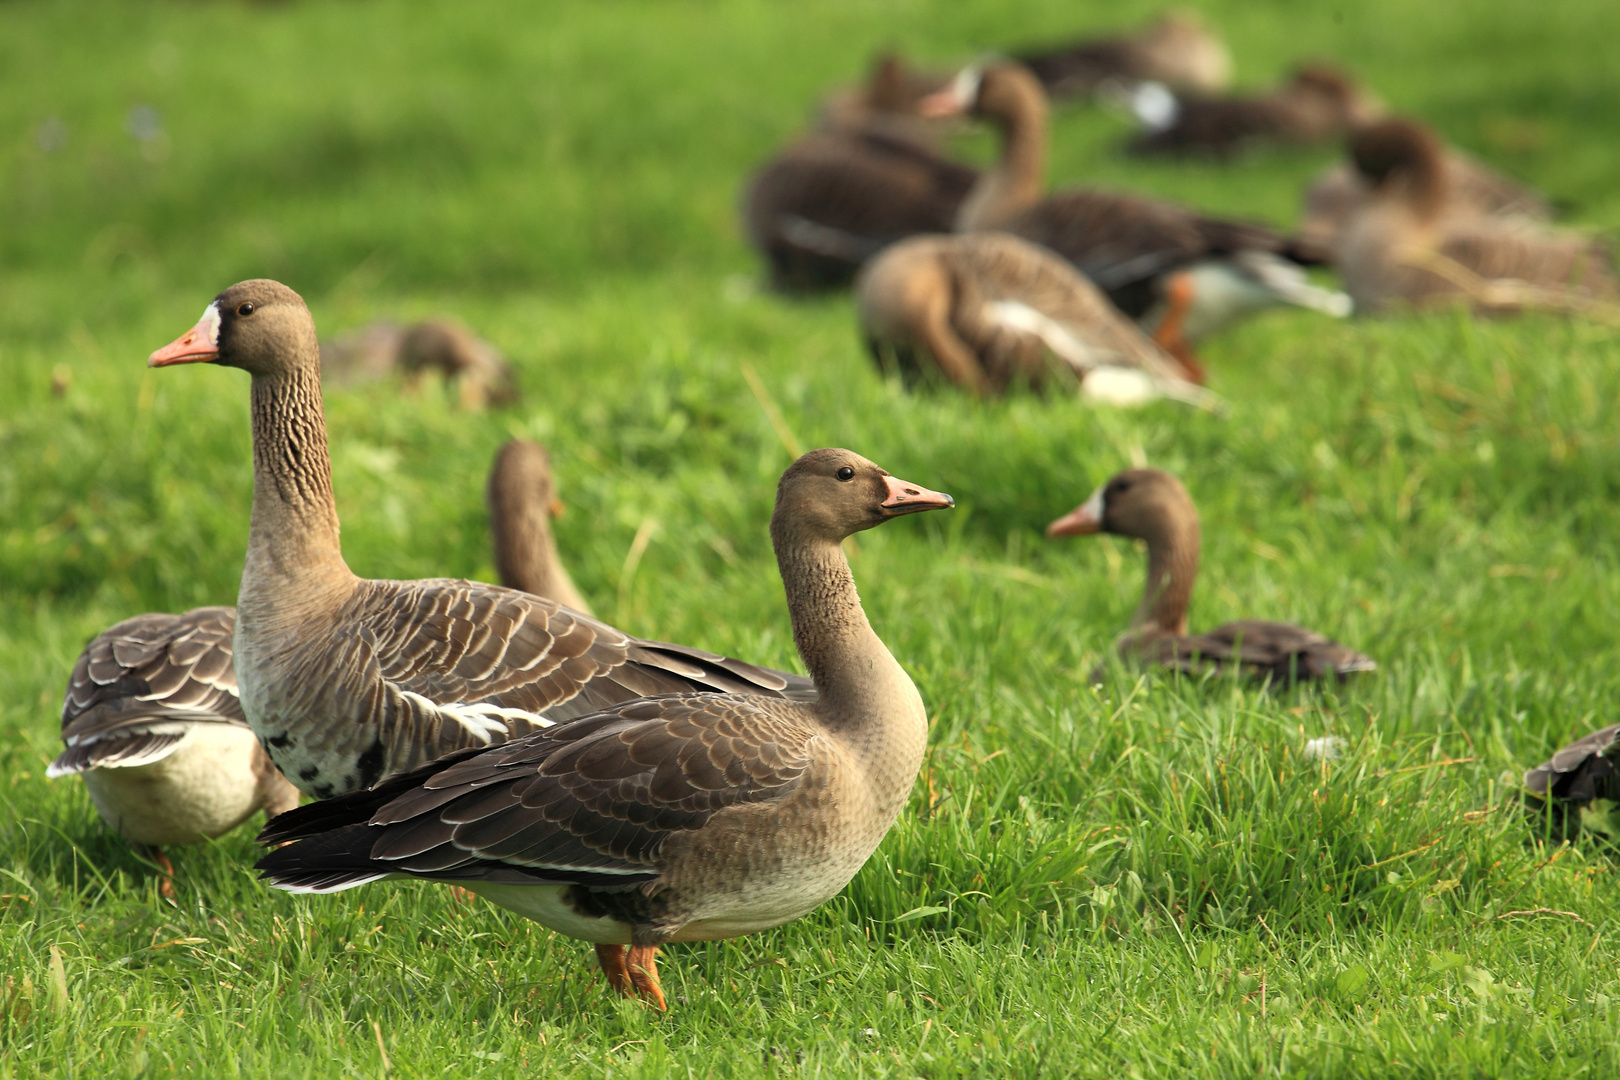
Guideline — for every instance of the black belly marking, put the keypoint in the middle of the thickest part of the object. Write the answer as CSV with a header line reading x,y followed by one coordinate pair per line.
x,y
370,766
628,905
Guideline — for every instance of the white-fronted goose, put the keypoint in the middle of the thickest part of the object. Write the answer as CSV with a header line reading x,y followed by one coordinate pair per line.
x,y
1179,273
481,375
347,681
1178,51
1318,104
1153,506
152,722
1474,188
833,199
988,310
521,502
1409,244
1579,786
887,102
152,719
686,817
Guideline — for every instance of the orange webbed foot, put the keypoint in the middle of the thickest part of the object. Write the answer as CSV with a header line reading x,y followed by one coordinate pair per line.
x,y
643,964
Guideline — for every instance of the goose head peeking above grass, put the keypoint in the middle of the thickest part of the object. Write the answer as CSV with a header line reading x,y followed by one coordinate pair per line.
x,y
683,817
1153,506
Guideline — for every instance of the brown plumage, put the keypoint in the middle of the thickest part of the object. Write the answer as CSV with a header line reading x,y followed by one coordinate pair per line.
x,y
1180,273
347,681
685,817
1178,51
988,310
1578,788
1153,506
521,500
482,376
1411,242
1317,104
833,199
886,103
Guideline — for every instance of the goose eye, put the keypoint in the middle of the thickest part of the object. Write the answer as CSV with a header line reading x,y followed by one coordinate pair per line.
x,y
846,473
245,310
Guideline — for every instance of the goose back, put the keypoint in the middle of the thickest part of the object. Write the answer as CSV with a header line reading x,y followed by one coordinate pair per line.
x,y
1316,105
1178,51
1578,788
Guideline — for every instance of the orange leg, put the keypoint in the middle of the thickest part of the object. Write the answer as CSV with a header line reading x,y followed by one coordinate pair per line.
x,y
166,886
611,959
1178,298
643,963
461,895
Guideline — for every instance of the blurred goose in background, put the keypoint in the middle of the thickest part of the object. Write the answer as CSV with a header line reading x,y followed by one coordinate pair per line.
x,y
482,376
1474,188
1410,242
153,724
1153,506
683,817
887,103
988,311
1178,51
1182,275
1317,104
1578,788
347,681
153,721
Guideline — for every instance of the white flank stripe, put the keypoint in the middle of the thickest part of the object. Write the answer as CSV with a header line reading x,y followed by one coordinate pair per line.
x,y
482,720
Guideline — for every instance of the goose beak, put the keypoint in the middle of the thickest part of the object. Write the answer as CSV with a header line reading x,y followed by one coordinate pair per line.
x,y
908,498
199,345
955,99
1083,520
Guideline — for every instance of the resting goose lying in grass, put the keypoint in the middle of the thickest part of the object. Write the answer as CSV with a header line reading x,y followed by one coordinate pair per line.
x,y
1579,786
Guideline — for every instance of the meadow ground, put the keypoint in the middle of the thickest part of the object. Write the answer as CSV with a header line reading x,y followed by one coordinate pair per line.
x,y
1141,878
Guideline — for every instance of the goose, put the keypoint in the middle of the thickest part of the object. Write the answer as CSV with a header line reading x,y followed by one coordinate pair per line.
x,y
886,102
1178,52
1407,244
1579,786
521,503
152,722
152,718
835,198
347,681
1317,104
1475,188
481,375
683,817
1153,506
989,310
1179,273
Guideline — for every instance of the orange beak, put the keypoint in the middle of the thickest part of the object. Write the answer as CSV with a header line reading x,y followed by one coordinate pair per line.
x,y
907,498
199,345
1083,520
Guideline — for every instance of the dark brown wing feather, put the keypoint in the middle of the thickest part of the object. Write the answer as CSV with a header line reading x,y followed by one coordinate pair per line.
x,y
1080,68
136,685
590,801
1266,650
1568,782
831,201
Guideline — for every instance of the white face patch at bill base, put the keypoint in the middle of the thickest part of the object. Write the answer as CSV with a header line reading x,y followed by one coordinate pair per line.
x,y
965,87
1096,506
208,325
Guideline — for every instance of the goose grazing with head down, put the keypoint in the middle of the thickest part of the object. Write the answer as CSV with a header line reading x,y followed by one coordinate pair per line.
x,y
152,723
152,719
1179,273
988,310
522,501
1317,104
1153,506
346,681
1178,51
1578,788
684,817
1410,243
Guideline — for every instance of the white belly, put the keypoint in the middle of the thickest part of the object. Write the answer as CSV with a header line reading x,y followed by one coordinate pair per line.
x,y
204,789
546,905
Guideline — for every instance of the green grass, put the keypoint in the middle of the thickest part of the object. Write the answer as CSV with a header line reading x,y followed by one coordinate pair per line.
x,y
1139,879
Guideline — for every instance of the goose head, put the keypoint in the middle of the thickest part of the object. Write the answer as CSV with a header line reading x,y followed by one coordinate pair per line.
x,y
1144,504
1401,158
829,494
999,92
260,326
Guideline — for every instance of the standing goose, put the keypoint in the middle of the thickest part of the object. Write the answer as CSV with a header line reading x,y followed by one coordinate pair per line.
x,y
685,817
1177,272
346,681
1178,51
152,720
1579,786
1150,505
521,502
989,310
1317,104
1410,243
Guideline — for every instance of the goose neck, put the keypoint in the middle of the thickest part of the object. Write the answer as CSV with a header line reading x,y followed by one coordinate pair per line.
x,y
1172,569
1017,180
